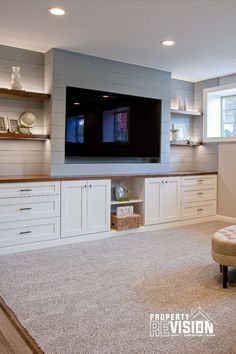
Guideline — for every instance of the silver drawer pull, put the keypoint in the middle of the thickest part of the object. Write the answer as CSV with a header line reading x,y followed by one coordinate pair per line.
x,y
25,208
199,209
200,193
200,180
24,232
25,190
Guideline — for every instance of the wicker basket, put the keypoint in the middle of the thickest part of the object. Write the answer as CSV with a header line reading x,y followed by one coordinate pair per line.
x,y
125,222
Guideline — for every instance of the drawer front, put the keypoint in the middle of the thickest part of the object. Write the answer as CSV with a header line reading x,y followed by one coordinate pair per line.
x,y
200,181
14,209
21,232
191,194
198,210
12,190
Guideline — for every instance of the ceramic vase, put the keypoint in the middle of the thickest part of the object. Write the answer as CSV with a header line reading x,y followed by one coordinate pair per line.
x,y
15,78
180,103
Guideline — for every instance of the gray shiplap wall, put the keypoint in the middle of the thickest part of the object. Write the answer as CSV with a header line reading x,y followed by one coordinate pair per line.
x,y
65,68
200,158
182,157
22,157
206,156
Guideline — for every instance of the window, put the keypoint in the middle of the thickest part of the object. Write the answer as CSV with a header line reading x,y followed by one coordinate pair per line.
x,y
219,114
228,115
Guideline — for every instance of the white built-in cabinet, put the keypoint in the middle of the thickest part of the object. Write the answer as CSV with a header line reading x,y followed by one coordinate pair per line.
x,y
162,200
33,212
29,212
85,207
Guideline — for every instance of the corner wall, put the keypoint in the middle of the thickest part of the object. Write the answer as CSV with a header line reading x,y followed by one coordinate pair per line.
x,y
72,69
219,155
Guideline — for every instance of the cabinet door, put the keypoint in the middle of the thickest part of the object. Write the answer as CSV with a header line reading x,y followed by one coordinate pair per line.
x,y
99,199
73,208
152,200
170,199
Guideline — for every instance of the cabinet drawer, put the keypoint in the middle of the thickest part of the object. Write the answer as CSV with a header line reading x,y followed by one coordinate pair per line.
x,y
14,209
199,181
10,190
198,210
20,232
191,194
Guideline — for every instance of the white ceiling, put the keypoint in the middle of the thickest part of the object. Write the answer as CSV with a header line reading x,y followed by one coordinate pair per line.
x,y
130,31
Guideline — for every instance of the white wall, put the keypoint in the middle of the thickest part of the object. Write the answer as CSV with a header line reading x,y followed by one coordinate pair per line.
x,y
22,157
227,169
221,155
65,68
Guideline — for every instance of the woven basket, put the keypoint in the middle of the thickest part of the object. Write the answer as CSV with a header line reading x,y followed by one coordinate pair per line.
x,y
125,222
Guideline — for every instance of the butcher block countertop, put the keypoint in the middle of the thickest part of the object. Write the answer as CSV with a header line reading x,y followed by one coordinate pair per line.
x,y
46,178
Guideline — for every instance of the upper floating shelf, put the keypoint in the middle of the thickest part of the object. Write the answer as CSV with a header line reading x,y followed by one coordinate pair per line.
x,y
23,95
187,113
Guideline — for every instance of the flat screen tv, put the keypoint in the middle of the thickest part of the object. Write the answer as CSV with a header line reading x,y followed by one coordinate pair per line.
x,y
111,125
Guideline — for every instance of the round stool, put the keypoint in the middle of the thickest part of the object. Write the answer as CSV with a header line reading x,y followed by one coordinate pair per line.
x,y
224,250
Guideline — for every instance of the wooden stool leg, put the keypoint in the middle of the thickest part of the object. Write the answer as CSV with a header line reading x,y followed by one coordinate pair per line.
x,y
225,276
221,268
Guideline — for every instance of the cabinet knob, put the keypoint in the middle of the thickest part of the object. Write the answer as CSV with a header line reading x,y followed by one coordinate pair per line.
x,y
90,186
85,186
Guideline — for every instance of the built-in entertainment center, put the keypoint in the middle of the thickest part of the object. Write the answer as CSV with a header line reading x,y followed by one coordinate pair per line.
x,y
112,126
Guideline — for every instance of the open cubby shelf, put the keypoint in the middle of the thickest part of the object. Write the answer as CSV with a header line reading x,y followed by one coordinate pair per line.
x,y
131,201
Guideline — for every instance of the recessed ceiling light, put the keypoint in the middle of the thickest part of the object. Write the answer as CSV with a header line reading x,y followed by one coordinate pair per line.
x,y
105,96
57,11
76,103
167,43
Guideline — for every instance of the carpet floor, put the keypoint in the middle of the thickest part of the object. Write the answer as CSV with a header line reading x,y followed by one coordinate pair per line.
x,y
96,297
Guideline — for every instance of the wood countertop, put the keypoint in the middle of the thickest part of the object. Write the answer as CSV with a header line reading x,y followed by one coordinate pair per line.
x,y
47,178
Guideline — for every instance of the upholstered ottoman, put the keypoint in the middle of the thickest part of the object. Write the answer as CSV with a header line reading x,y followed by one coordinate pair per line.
x,y
224,250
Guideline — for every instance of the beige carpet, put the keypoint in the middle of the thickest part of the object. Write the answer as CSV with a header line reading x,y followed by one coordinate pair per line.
x,y
96,297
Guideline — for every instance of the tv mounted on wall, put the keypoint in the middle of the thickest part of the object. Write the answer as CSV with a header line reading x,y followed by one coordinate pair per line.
x,y
111,125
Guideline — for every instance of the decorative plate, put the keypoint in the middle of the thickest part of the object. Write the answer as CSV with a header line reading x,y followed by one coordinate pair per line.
x,y
27,120
120,192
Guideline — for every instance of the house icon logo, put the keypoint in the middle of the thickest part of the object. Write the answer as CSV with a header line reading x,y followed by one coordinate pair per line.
x,y
200,315
196,324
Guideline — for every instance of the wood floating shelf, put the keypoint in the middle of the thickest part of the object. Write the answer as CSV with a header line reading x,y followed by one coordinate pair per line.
x,y
16,136
189,145
23,95
186,113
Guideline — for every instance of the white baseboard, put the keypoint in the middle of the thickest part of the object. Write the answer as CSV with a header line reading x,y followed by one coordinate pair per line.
x,y
226,218
102,235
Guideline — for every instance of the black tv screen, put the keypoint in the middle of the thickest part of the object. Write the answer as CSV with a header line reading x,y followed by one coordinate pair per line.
x,y
106,124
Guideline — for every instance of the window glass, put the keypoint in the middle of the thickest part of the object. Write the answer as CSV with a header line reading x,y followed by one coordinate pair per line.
x,y
228,116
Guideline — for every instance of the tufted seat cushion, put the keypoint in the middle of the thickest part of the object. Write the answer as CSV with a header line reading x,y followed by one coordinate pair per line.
x,y
224,246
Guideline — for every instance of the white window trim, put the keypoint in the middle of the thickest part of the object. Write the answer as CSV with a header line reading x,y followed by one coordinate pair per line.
x,y
215,93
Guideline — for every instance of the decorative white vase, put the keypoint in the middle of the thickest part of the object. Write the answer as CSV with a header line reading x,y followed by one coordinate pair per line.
x,y
174,136
186,104
180,103
15,78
